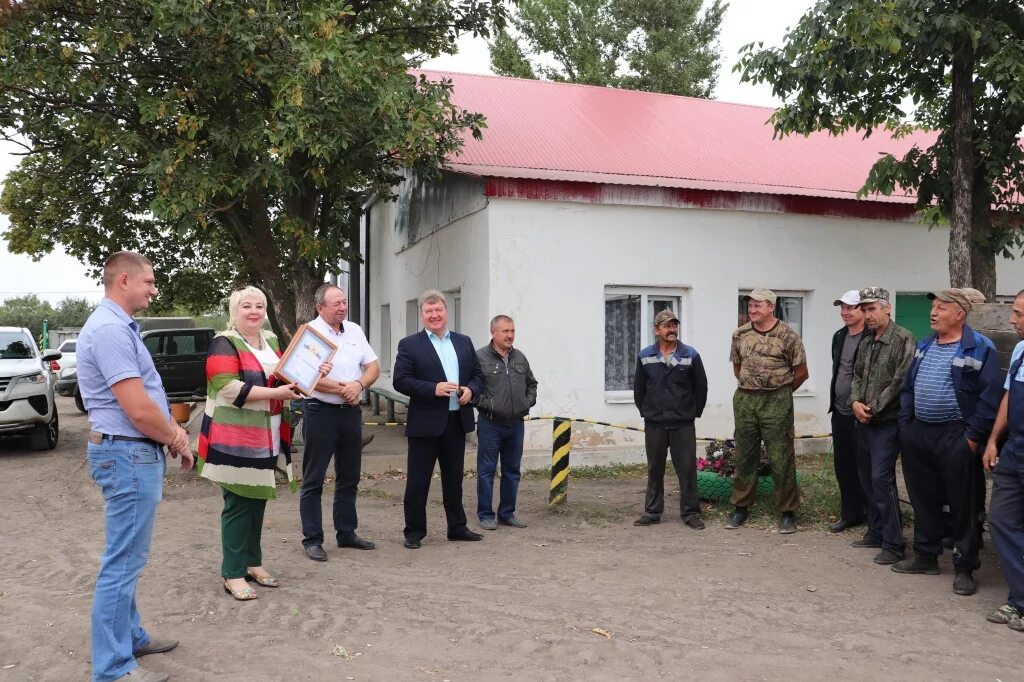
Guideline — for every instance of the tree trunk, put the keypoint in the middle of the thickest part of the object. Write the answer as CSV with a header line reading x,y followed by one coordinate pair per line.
x,y
983,255
960,274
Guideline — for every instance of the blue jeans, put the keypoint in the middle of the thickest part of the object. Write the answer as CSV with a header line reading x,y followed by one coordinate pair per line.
x,y
493,441
130,476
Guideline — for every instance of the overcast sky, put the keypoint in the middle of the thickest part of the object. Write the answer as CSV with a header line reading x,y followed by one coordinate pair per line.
x,y
57,276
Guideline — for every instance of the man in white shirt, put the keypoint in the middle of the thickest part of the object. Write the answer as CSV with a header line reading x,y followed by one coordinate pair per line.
x,y
333,426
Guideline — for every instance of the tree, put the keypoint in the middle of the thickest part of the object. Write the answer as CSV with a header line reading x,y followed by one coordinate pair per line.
x,y
26,311
232,141
855,65
72,312
653,45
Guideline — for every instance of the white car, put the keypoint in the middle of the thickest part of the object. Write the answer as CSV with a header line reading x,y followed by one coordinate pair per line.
x,y
67,356
26,389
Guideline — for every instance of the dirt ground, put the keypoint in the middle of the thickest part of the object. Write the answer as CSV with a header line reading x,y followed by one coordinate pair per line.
x,y
522,605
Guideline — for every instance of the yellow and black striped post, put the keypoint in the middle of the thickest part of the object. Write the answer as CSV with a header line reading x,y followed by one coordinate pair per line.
x,y
561,436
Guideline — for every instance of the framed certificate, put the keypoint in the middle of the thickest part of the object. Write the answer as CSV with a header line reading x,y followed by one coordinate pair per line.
x,y
300,363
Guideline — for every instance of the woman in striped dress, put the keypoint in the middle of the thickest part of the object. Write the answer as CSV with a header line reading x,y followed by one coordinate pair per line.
x,y
245,428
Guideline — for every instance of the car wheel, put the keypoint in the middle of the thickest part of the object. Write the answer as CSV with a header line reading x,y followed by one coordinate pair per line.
x,y
44,436
78,401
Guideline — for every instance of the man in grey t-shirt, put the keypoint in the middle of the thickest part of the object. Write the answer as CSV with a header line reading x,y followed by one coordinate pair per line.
x,y
844,437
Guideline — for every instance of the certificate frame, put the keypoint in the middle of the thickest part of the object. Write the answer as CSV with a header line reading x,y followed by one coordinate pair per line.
x,y
300,362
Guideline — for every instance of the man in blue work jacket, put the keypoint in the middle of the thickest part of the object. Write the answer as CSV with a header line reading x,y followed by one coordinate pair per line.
x,y
947,408
1006,512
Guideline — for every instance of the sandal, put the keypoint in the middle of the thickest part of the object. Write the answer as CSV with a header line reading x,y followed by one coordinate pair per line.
x,y
265,581
244,594
1003,615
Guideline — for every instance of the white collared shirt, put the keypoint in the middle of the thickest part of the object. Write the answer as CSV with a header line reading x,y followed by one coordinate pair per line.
x,y
353,353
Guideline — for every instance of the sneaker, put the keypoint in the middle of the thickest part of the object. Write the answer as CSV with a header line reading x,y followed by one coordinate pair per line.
x,y
739,517
1016,624
920,564
964,583
513,521
695,522
647,520
887,557
787,524
155,645
1003,615
868,540
489,524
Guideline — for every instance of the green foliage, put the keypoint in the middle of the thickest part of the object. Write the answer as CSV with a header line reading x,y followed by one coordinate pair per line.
x,y
29,312
653,45
862,65
231,142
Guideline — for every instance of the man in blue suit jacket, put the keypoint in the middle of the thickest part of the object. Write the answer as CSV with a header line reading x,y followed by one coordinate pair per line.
x,y
439,371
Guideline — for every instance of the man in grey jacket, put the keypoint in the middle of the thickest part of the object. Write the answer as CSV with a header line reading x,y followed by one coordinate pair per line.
x,y
509,392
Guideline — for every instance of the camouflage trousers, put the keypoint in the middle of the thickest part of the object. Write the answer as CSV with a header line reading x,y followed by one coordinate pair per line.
x,y
766,417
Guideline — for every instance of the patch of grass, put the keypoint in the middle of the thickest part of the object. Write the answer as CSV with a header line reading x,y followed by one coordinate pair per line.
x,y
615,471
378,493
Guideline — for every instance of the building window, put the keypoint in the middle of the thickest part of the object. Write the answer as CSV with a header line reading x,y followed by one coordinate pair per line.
x,y
412,316
628,325
454,309
789,308
385,338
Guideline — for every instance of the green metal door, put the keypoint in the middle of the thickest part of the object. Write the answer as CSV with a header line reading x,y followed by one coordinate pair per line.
x,y
913,312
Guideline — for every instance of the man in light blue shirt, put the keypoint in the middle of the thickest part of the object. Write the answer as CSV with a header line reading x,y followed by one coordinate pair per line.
x,y
131,425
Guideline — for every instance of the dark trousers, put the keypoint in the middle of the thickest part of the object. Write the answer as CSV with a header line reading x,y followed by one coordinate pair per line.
x,y
449,451
330,431
879,448
498,441
939,467
846,461
241,527
1006,521
682,441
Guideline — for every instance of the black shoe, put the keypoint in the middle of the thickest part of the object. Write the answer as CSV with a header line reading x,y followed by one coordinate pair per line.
x,y
843,524
739,517
316,553
920,564
887,557
354,540
868,540
412,544
964,583
787,524
695,522
647,520
465,535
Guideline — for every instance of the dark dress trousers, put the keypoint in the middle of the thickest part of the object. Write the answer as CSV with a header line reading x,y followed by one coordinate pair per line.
x,y
435,433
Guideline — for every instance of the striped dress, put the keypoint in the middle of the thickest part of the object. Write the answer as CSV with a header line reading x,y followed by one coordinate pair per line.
x,y
236,446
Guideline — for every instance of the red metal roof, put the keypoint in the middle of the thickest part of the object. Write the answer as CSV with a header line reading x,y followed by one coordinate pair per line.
x,y
564,132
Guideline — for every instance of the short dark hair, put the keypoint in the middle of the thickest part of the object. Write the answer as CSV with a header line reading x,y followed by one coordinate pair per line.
x,y
123,261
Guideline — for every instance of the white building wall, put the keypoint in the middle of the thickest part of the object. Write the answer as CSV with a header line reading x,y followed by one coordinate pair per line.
x,y
551,261
449,258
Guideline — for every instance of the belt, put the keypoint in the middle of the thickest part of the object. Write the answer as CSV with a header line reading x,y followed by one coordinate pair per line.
x,y
341,406
95,437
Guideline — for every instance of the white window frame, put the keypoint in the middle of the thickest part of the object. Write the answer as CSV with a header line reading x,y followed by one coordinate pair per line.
x,y
807,389
385,339
412,316
648,294
454,309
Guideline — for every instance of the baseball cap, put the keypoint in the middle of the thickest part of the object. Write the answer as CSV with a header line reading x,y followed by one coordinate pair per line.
x,y
953,296
762,295
851,297
665,316
872,294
